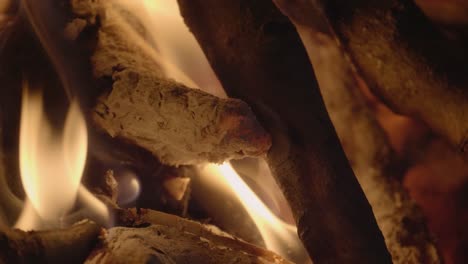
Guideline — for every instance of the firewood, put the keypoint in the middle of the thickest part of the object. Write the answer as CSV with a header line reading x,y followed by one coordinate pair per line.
x,y
70,245
178,124
259,57
166,238
370,154
402,56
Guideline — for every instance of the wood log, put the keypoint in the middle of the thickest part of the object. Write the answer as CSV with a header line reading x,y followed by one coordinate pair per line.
x,y
162,244
387,41
70,245
259,57
165,238
370,154
177,124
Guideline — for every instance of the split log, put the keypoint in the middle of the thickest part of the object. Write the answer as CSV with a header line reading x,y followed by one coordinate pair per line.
x,y
71,245
177,124
387,41
259,57
370,153
171,239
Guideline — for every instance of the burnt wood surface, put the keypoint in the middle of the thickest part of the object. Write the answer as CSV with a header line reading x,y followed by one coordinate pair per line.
x,y
70,245
150,236
403,56
376,165
258,56
179,124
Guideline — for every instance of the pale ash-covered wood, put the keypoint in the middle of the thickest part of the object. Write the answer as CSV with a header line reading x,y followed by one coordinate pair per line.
x,y
177,124
165,238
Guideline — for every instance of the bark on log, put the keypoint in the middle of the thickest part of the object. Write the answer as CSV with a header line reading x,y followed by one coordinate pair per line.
x,y
402,56
370,153
177,124
71,245
258,56
171,239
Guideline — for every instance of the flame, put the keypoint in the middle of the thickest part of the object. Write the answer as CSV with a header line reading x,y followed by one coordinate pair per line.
x,y
51,165
278,235
183,60
173,47
178,46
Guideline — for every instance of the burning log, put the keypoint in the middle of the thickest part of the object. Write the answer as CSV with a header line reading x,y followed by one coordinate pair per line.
x,y
177,124
370,154
387,43
71,245
171,239
259,57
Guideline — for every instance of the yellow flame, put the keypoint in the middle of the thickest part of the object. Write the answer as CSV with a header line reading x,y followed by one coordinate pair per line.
x,y
51,165
278,236
175,49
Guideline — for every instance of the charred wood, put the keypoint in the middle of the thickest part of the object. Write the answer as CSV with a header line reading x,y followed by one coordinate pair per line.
x,y
370,154
71,245
401,55
163,244
166,238
177,124
259,57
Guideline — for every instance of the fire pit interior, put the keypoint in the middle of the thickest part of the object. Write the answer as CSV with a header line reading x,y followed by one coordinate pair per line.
x,y
233,131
